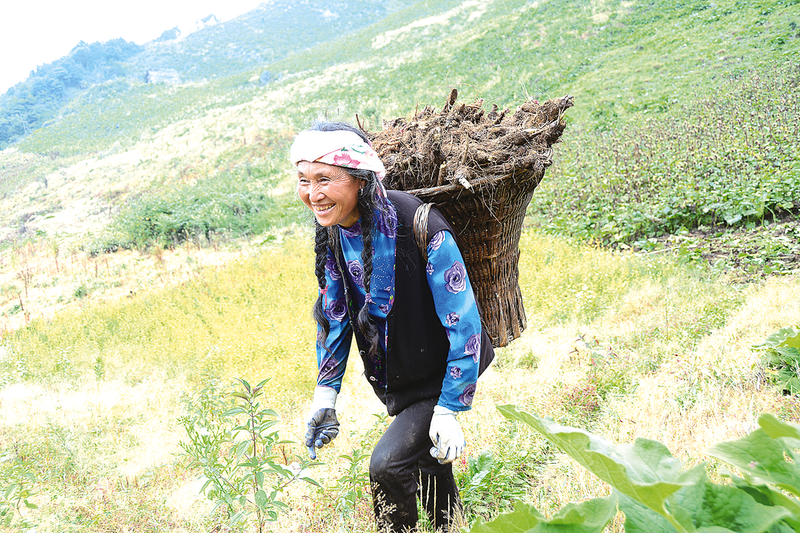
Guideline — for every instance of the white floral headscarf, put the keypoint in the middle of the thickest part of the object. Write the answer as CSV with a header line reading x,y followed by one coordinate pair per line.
x,y
341,148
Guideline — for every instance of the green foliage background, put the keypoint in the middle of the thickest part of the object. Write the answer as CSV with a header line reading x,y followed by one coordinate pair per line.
x,y
686,117
686,112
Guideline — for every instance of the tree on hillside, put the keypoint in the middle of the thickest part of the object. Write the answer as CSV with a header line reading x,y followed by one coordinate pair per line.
x,y
30,104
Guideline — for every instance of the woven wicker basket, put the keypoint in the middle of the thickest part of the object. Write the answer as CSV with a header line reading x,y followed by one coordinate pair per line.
x,y
480,170
487,219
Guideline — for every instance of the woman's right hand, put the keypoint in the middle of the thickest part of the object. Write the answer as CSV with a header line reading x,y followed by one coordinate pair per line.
x,y
322,426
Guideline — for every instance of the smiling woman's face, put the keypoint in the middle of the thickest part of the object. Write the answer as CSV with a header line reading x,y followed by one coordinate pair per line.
x,y
330,192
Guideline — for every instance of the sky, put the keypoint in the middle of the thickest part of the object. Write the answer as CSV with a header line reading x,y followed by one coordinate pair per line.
x,y
36,32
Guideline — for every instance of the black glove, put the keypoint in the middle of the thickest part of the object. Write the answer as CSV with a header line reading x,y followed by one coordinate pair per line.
x,y
323,427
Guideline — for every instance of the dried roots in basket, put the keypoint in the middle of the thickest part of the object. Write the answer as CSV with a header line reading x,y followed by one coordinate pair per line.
x,y
463,144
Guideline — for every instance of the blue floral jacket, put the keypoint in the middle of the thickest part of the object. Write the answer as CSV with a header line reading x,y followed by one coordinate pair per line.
x,y
438,311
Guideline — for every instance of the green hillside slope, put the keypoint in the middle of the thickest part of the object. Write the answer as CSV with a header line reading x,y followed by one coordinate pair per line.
x,y
269,33
630,65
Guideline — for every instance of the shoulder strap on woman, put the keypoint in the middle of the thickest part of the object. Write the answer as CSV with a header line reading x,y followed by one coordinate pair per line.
x,y
421,229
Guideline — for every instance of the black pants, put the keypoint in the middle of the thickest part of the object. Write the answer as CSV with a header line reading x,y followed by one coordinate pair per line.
x,y
402,469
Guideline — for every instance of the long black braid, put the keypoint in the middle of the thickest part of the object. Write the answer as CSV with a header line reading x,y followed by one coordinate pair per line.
x,y
366,207
321,252
366,204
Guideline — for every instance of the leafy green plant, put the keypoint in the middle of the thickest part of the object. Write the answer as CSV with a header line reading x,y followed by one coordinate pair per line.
x,y
707,164
99,368
353,485
489,486
781,358
17,482
658,494
495,480
587,517
609,372
81,292
240,454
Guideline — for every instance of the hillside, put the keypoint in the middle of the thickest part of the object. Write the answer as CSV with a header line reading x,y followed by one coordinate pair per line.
x,y
262,36
272,32
642,72
153,248
411,54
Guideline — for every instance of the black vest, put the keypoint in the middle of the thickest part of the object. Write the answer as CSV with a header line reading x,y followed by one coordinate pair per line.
x,y
417,347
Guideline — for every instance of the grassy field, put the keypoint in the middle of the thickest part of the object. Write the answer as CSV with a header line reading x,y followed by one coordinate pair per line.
x,y
96,403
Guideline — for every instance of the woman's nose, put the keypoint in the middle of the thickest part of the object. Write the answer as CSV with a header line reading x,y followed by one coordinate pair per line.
x,y
316,191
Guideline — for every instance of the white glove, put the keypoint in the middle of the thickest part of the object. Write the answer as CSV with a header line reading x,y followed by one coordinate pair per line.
x,y
446,435
321,423
324,398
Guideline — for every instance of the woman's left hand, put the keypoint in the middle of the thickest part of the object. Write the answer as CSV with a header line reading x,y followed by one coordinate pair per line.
x,y
446,435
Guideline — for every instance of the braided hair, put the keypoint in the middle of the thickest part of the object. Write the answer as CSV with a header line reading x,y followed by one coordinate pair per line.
x,y
367,207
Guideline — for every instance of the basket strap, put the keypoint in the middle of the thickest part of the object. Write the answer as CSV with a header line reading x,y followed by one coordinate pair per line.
x,y
421,229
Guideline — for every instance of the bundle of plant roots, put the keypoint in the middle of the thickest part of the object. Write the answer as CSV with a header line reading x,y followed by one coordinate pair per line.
x,y
480,170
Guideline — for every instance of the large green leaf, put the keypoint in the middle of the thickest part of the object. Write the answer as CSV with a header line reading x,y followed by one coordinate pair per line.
x,y
766,495
711,507
590,516
788,337
644,471
761,458
640,519
783,527
775,428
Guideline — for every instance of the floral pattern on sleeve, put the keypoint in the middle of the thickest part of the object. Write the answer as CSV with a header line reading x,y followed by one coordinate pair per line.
x,y
332,356
456,309
455,278
436,241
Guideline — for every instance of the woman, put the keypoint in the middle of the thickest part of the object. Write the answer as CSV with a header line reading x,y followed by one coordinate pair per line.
x,y
416,323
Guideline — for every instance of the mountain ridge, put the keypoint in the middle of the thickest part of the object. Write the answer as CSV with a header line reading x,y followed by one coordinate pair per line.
x,y
259,37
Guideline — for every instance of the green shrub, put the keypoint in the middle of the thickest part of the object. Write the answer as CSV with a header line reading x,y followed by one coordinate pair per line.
x,y
228,205
781,359
493,481
352,487
17,486
242,458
